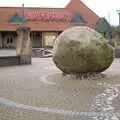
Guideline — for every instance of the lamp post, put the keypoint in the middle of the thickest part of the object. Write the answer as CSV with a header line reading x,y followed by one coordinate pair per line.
x,y
23,13
23,43
118,11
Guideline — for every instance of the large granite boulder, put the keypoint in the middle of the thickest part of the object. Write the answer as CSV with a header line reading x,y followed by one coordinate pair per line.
x,y
82,50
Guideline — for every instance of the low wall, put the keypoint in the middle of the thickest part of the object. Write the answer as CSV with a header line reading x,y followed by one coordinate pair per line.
x,y
14,60
25,59
9,60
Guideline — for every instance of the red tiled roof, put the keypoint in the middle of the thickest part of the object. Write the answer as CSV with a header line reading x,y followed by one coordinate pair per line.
x,y
74,6
39,26
78,6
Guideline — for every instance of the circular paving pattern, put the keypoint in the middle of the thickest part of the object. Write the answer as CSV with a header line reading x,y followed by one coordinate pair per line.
x,y
41,92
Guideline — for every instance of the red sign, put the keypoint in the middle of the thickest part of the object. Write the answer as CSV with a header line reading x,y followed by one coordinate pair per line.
x,y
49,16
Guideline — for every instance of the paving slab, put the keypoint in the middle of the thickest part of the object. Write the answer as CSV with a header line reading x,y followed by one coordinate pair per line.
x,y
40,92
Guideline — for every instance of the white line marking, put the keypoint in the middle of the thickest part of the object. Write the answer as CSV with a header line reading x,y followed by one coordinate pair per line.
x,y
10,103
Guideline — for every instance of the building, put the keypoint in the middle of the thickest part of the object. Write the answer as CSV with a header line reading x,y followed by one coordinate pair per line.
x,y
45,23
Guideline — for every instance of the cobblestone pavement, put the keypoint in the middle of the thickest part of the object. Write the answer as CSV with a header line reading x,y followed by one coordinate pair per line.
x,y
26,92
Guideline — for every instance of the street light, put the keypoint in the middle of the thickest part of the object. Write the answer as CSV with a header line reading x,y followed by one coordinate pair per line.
x,y
118,11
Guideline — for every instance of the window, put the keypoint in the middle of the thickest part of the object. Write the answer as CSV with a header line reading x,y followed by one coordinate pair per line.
x,y
36,38
9,40
77,18
49,39
16,19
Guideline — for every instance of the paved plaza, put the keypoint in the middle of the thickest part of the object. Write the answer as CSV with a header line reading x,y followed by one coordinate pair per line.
x,y
40,92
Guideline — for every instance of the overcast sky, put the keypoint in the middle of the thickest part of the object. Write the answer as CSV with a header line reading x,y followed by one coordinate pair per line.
x,y
103,8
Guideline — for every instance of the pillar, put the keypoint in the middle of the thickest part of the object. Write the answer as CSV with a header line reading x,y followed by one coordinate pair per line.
x,y
24,45
118,11
119,17
0,40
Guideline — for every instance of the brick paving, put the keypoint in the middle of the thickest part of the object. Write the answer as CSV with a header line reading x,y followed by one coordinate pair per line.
x,y
24,85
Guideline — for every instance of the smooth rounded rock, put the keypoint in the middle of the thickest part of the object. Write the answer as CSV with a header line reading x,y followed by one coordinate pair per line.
x,y
81,50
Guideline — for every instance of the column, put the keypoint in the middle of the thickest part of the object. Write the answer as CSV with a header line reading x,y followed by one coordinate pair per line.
x,y
118,11
0,40
24,45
